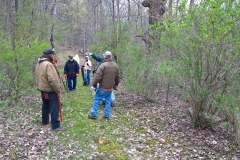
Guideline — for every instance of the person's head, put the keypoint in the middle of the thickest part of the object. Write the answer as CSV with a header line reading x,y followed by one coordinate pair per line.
x,y
86,58
70,57
107,55
50,55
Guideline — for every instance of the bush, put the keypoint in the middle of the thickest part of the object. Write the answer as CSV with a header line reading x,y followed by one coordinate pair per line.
x,y
205,50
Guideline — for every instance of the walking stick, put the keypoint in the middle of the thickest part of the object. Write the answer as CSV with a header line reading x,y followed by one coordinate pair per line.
x,y
60,108
64,84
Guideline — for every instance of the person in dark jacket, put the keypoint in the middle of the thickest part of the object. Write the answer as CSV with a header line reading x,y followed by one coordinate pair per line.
x,y
71,71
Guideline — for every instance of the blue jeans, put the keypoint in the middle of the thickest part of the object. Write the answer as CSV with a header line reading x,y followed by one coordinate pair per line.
x,y
70,80
100,94
87,77
50,105
112,99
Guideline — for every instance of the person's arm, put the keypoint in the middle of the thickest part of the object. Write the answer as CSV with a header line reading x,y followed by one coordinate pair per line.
x,y
117,79
65,68
53,78
96,57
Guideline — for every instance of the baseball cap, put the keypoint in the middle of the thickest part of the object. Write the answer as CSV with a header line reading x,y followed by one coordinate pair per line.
x,y
70,56
48,51
107,54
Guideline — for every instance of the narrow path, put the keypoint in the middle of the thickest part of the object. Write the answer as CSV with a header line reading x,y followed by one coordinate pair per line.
x,y
138,130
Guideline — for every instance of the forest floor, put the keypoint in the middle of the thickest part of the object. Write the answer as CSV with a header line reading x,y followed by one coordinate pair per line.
x,y
138,129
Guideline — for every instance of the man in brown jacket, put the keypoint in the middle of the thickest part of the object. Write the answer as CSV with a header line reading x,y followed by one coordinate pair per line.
x,y
49,83
107,76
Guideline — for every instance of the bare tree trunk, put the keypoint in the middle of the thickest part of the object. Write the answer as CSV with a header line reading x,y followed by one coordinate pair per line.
x,y
192,3
129,7
177,8
170,8
113,11
13,37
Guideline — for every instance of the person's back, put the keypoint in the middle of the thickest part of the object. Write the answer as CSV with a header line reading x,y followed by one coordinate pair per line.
x,y
108,72
107,76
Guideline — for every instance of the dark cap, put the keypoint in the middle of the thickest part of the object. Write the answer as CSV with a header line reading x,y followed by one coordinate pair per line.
x,y
70,56
49,51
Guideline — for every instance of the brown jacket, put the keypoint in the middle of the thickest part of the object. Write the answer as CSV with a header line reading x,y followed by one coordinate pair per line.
x,y
107,75
47,76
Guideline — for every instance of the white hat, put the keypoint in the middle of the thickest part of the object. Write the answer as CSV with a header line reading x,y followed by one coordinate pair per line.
x,y
107,54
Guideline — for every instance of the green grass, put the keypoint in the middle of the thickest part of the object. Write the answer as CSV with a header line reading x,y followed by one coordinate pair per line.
x,y
86,133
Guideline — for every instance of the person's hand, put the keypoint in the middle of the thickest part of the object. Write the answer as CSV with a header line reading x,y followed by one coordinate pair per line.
x,y
59,94
76,75
65,75
89,53
94,71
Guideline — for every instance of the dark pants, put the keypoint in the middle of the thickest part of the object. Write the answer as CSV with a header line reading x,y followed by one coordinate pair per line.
x,y
71,85
50,105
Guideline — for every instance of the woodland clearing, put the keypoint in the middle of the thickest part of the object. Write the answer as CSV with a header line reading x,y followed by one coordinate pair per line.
x,y
138,130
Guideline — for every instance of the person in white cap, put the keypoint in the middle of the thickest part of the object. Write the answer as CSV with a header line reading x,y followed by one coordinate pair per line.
x,y
100,60
88,67
107,76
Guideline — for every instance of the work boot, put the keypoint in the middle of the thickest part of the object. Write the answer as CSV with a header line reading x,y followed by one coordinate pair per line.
x,y
90,116
59,129
107,118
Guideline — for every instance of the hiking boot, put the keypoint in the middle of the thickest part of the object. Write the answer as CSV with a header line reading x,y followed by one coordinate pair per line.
x,y
90,116
59,129
107,118
43,124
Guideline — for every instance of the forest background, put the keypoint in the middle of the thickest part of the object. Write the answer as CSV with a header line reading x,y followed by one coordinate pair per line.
x,y
187,48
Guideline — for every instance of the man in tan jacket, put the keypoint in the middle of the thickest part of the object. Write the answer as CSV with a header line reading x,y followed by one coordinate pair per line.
x,y
49,83
107,76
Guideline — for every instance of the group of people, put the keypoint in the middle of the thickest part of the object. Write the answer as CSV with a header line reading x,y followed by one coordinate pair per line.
x,y
49,83
71,72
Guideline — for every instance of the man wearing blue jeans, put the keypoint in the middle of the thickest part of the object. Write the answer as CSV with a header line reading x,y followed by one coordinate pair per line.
x,y
87,67
71,71
107,76
100,60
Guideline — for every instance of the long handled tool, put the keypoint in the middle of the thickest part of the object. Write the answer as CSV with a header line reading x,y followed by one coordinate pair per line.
x,y
65,84
60,108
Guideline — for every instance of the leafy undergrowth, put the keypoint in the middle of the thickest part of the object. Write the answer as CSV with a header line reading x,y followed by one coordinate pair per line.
x,y
138,130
